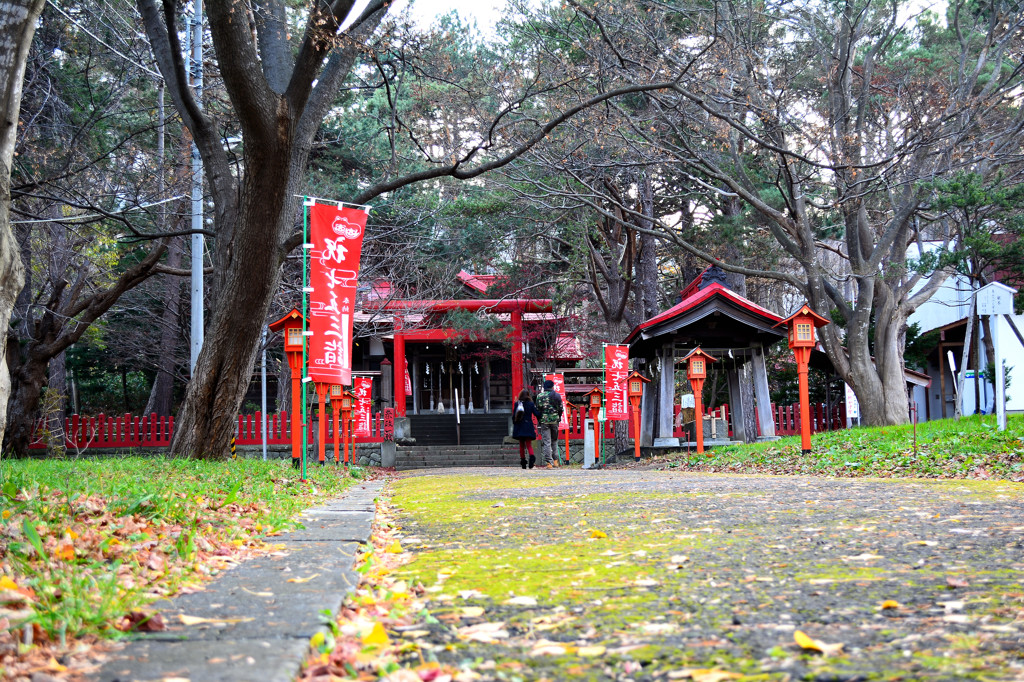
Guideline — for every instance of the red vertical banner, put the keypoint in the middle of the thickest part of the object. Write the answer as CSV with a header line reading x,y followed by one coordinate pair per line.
x,y
408,382
559,381
336,233
616,369
363,390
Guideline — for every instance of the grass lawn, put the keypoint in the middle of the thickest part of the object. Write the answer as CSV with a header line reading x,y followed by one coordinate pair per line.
x,y
969,448
86,544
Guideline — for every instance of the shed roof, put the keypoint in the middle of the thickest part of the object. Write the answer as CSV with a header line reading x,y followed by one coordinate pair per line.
x,y
735,321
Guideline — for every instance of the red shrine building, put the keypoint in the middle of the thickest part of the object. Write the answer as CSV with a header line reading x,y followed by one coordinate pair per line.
x,y
473,353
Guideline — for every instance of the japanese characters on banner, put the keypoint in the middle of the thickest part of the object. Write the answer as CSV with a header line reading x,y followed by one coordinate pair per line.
x,y
337,237
363,390
408,382
616,369
559,381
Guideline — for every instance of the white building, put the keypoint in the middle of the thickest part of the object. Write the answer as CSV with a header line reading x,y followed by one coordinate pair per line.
x,y
947,312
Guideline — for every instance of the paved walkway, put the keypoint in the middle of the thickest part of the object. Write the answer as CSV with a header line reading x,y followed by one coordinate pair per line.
x,y
259,616
646,575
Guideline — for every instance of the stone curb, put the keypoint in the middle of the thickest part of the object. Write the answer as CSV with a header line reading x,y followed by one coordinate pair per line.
x,y
259,623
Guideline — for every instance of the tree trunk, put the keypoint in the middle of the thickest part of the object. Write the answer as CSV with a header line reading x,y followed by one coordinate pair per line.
x,y
17,26
161,395
221,377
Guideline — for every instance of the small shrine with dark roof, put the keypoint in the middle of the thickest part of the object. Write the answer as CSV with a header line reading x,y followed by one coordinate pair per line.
x,y
730,327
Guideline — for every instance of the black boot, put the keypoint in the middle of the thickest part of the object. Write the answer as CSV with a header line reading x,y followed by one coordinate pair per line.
x,y
533,460
522,460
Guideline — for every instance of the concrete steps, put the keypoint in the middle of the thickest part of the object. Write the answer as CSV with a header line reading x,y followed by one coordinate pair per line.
x,y
424,457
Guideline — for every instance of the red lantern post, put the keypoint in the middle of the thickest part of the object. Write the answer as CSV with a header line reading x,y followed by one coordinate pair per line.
x,y
697,371
336,409
801,325
321,423
635,391
348,401
291,325
595,397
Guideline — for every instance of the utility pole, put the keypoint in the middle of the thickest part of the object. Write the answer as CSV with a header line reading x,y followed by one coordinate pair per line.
x,y
196,71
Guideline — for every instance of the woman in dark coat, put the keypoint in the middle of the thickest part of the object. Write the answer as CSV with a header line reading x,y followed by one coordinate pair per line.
x,y
523,430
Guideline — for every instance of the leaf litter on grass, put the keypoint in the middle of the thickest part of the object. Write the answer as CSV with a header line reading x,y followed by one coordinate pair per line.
x,y
86,545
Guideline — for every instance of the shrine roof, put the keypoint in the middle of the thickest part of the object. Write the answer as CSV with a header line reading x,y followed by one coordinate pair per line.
x,y
744,320
475,282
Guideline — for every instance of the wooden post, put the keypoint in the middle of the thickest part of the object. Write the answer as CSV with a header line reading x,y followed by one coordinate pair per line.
x,y
399,366
517,354
765,413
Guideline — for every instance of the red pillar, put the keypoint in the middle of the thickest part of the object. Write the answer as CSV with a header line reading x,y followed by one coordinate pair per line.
x,y
321,424
517,353
336,406
399,369
698,412
296,415
803,356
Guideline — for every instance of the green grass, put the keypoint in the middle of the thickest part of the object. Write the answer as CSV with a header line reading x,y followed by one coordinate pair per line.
x,y
90,541
971,447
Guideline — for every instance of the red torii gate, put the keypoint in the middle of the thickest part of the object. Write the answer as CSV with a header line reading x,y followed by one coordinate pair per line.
x,y
515,307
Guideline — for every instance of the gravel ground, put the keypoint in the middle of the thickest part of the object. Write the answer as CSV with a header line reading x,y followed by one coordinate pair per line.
x,y
644,575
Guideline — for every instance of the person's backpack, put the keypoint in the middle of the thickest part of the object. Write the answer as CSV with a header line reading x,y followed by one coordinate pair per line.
x,y
520,412
550,411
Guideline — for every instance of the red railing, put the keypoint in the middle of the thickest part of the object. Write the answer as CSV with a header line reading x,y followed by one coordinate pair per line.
x,y
153,431
787,421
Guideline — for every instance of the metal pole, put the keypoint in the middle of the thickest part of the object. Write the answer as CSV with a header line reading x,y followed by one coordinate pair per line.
x,y
197,191
305,379
263,391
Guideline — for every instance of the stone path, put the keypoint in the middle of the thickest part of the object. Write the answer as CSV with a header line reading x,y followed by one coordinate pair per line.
x,y
258,617
644,575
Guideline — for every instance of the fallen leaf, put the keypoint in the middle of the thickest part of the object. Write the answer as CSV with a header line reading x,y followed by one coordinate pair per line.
x,y
546,648
806,642
196,620
471,594
955,581
704,675
890,604
394,548
590,651
304,580
521,601
598,534
645,582
484,632
472,611
863,557
377,636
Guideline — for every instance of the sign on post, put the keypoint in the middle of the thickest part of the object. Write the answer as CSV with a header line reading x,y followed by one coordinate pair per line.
x,y
363,390
336,234
616,369
559,381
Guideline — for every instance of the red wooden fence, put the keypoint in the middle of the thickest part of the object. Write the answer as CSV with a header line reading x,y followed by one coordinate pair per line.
x,y
153,431
787,421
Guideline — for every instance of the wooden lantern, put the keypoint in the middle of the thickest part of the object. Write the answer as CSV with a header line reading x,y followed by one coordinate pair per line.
x,y
635,391
697,371
802,340
291,325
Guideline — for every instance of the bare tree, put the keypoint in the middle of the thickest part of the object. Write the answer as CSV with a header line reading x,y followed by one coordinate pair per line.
x,y
17,26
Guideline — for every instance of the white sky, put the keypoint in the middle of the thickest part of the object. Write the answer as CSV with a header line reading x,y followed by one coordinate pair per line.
x,y
484,12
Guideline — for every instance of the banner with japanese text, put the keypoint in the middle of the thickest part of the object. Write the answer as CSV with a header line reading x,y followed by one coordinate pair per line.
x,y
363,390
559,381
616,369
336,234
